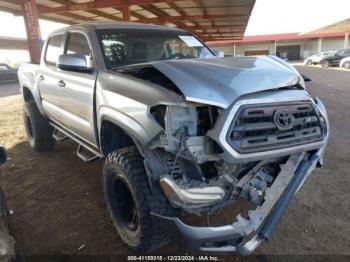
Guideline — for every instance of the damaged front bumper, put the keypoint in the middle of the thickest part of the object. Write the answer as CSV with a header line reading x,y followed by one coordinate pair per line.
x,y
261,222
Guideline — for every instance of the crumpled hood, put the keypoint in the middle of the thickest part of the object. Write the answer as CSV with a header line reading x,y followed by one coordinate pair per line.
x,y
220,81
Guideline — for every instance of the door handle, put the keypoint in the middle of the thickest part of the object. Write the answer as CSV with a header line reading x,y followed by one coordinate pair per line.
x,y
61,83
41,78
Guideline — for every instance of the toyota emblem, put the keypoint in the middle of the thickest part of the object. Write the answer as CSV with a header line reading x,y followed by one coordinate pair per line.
x,y
284,120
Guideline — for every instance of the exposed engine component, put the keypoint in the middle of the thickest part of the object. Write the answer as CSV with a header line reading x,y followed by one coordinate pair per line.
x,y
179,123
175,168
224,168
202,149
185,129
177,117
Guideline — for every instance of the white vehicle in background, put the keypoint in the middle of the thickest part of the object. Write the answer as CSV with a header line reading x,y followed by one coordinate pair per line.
x,y
315,58
345,63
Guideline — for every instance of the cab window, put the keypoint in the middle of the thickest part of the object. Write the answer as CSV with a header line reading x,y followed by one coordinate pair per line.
x,y
78,44
53,49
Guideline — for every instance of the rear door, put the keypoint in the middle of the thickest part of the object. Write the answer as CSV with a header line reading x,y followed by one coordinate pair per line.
x,y
48,75
77,90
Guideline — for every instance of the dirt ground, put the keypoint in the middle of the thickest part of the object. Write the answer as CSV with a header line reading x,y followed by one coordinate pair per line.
x,y
58,205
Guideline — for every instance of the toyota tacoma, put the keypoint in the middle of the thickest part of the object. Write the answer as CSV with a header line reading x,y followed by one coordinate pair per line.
x,y
184,134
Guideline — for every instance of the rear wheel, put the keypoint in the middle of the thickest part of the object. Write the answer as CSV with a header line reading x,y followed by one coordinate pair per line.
x,y
37,127
346,65
129,201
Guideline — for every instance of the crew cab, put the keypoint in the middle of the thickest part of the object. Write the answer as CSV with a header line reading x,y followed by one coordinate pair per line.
x,y
182,132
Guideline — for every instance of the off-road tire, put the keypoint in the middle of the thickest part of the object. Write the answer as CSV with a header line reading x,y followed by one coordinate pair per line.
x,y
38,130
127,165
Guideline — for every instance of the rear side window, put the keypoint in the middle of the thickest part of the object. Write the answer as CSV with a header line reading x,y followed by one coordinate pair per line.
x,y
53,49
78,44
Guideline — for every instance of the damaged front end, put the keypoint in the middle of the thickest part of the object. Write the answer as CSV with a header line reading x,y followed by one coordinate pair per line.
x,y
260,149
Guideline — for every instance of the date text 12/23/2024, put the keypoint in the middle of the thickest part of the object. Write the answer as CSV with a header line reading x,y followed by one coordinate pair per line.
x,y
173,258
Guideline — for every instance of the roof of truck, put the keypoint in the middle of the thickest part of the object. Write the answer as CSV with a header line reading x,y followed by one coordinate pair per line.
x,y
122,25
106,25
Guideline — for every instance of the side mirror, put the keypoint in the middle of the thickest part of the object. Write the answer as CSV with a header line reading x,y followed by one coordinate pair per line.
x,y
218,53
3,155
74,62
306,79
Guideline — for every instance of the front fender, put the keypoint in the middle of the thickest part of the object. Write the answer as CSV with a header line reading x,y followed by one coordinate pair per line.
x,y
27,79
130,125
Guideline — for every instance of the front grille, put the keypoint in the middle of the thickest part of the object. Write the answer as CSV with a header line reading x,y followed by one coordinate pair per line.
x,y
255,127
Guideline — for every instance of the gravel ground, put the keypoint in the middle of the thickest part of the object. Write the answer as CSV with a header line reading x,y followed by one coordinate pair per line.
x,y
58,204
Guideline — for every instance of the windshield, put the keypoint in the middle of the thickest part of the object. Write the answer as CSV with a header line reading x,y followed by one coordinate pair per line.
x,y
122,47
339,53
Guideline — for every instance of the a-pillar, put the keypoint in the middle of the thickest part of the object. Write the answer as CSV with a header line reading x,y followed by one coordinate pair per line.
x,y
31,21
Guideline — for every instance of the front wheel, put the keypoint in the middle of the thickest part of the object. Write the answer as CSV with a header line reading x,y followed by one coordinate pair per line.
x,y
325,64
346,65
37,127
129,201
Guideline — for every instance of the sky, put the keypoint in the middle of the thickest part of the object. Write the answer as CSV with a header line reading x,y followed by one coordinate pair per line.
x,y
292,16
268,17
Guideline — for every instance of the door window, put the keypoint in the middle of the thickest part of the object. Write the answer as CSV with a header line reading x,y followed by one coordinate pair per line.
x,y
53,49
78,44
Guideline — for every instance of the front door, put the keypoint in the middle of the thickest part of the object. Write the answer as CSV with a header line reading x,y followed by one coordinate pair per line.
x,y
77,91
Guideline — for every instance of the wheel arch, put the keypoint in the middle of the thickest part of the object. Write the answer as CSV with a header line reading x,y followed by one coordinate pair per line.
x,y
32,95
124,124
27,94
113,137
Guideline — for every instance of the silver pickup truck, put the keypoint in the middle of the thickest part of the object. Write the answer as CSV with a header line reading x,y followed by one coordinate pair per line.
x,y
183,133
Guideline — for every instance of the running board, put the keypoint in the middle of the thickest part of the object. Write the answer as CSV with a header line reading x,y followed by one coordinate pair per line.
x,y
85,154
59,136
